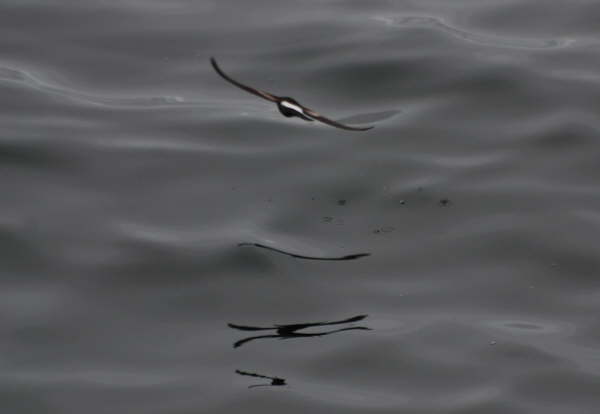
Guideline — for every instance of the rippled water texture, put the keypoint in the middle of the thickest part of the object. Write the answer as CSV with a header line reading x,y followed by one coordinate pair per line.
x,y
156,221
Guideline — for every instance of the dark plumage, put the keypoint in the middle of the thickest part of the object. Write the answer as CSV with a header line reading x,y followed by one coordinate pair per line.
x,y
288,107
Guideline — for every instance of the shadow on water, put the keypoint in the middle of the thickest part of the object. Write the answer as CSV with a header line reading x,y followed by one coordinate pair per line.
x,y
300,256
275,381
291,330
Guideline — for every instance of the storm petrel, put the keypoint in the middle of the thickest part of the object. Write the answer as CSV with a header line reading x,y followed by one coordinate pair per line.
x,y
289,107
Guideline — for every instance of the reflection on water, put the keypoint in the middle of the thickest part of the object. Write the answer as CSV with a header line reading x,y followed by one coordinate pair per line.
x,y
301,256
275,381
291,330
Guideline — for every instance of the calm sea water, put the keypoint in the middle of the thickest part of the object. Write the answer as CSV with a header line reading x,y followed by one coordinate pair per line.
x,y
130,174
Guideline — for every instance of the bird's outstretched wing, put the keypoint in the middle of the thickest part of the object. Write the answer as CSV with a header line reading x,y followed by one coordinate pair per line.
x,y
319,117
256,92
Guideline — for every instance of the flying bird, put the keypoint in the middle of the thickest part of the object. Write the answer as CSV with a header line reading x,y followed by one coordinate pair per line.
x,y
289,107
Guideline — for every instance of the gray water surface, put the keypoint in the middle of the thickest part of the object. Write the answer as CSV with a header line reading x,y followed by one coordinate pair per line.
x,y
131,172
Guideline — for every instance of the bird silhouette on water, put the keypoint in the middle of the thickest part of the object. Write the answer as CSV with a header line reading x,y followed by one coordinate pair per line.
x,y
291,330
275,381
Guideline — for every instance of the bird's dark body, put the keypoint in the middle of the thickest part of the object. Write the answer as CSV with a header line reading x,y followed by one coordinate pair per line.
x,y
288,107
289,112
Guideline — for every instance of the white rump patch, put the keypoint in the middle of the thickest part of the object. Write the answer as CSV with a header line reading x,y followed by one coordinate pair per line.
x,y
290,105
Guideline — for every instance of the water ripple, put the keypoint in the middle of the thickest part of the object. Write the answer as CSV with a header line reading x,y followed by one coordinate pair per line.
x,y
28,80
480,38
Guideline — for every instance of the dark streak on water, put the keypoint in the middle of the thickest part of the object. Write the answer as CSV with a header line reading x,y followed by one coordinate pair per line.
x,y
275,381
300,256
129,172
